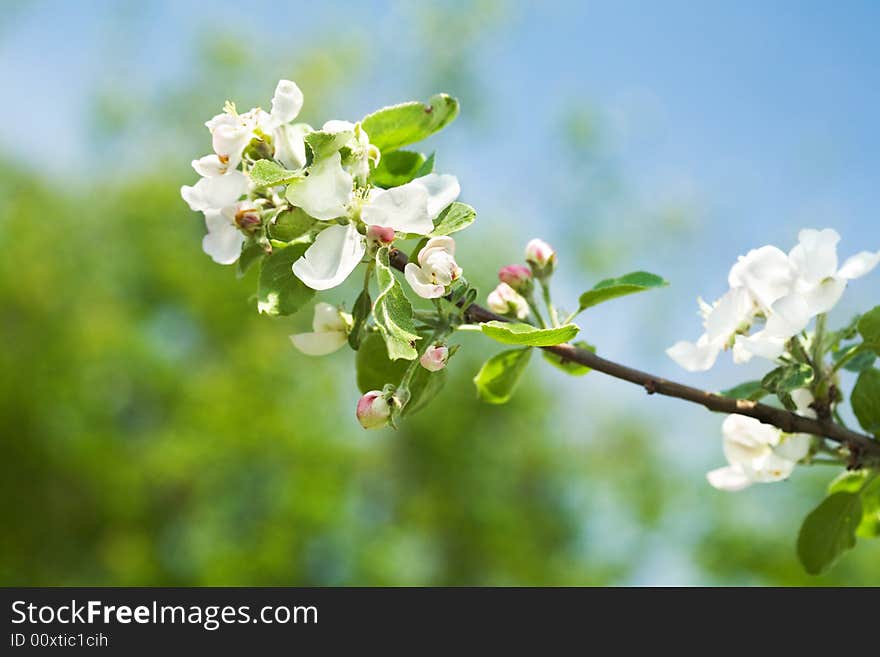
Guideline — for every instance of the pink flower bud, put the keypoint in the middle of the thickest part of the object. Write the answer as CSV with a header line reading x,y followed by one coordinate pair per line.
x,y
519,277
541,257
381,234
435,357
373,410
504,300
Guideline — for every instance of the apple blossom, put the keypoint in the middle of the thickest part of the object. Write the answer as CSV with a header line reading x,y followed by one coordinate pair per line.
x,y
435,270
519,277
330,327
504,300
541,257
373,410
435,357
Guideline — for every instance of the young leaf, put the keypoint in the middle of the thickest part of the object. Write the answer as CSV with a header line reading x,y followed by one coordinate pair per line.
x,y
568,366
526,334
499,375
279,292
611,288
828,531
266,173
865,400
392,127
454,218
427,167
787,378
323,143
751,390
393,312
397,168
360,312
290,225
869,329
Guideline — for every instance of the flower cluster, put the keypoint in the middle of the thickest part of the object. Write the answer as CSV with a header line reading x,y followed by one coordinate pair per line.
x,y
778,294
513,295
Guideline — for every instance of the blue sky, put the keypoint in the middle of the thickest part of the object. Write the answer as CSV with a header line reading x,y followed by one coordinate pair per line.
x,y
758,118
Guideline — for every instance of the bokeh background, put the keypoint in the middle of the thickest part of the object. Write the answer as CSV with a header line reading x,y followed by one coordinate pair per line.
x,y
154,430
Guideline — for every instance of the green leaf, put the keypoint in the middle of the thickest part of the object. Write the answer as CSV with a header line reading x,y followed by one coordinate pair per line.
x,y
266,173
499,375
752,390
251,253
323,143
869,329
865,400
828,531
611,288
526,334
569,366
865,483
787,378
375,370
849,481
427,167
279,292
454,218
397,168
392,127
360,313
291,225
393,312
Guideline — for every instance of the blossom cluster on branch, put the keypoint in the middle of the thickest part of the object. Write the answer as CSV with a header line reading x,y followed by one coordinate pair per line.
x,y
310,206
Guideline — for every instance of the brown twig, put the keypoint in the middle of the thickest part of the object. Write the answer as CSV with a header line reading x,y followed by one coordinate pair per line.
x,y
867,449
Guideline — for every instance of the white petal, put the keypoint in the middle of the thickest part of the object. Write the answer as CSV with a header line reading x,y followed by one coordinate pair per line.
x,y
794,447
802,398
402,208
327,319
765,272
287,102
730,312
230,140
823,297
422,283
326,192
772,467
334,255
335,125
815,256
859,265
210,166
223,241
290,145
695,357
319,344
788,316
215,193
442,191
445,243
740,353
760,344
728,479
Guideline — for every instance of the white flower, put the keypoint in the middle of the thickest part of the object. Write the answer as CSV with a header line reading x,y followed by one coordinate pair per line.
x,y
231,132
435,357
436,269
758,452
325,193
373,411
225,237
504,300
413,207
731,313
330,331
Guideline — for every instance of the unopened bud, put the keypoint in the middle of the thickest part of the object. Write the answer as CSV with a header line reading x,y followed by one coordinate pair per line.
x,y
373,411
541,257
519,277
248,219
504,300
435,357
380,234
